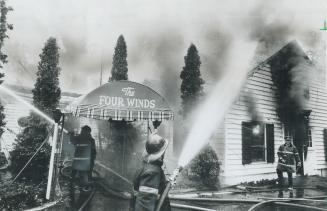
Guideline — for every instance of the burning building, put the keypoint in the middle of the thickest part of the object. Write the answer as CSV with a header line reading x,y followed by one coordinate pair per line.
x,y
283,95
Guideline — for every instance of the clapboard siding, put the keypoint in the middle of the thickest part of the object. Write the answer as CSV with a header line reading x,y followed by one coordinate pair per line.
x,y
13,112
318,119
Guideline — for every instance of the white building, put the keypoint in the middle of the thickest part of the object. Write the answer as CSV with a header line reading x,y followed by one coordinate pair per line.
x,y
255,126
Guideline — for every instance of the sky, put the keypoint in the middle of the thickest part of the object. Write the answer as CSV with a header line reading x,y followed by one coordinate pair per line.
x,y
157,33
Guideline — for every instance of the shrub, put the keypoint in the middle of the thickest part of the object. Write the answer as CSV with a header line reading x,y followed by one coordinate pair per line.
x,y
21,195
205,167
27,142
3,159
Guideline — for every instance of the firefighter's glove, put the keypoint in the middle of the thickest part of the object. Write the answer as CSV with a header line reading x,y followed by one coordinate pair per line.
x,y
173,177
282,160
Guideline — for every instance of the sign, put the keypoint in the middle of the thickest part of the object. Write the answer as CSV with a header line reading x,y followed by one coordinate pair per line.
x,y
127,100
122,100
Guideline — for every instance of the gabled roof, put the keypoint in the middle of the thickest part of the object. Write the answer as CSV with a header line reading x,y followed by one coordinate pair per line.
x,y
291,49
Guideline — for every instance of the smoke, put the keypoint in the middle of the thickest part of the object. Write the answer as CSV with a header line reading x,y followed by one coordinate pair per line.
x,y
21,67
73,49
269,34
290,74
300,81
251,106
215,48
87,34
162,53
272,30
167,55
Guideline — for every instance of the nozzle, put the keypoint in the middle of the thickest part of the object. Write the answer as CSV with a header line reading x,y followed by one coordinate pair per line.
x,y
174,175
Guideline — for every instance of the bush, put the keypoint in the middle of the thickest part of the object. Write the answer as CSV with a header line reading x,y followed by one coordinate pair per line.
x,y
22,195
3,159
27,142
205,167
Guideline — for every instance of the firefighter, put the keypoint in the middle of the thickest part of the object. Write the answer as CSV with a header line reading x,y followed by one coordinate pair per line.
x,y
84,156
287,154
150,181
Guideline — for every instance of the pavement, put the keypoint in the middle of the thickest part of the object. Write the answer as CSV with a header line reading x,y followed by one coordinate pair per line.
x,y
239,197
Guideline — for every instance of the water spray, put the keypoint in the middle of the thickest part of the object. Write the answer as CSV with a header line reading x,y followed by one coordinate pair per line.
x,y
30,106
211,113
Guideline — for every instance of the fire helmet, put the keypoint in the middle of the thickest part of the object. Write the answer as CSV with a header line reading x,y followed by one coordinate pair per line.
x,y
86,129
155,147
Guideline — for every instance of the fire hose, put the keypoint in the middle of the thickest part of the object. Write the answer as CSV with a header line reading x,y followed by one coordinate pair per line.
x,y
300,206
171,182
282,202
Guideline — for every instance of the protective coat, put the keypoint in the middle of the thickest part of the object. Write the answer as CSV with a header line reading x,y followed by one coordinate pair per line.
x,y
84,152
149,183
288,158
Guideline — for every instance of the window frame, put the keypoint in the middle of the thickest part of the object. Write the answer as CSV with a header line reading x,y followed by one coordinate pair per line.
x,y
263,146
264,158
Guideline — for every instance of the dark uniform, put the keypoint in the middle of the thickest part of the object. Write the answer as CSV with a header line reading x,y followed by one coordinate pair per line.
x,y
84,155
288,159
149,183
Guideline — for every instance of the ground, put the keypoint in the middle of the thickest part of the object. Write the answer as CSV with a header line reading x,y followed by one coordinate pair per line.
x,y
307,186
244,196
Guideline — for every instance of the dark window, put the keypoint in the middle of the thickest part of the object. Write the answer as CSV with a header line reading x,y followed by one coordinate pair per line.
x,y
257,142
325,143
246,142
270,139
309,138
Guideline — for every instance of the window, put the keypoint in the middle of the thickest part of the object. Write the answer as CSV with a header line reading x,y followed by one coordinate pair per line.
x,y
309,138
257,142
325,142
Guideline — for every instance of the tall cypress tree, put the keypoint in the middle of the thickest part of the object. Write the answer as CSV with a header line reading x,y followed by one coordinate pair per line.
x,y
46,92
191,87
119,63
46,96
4,26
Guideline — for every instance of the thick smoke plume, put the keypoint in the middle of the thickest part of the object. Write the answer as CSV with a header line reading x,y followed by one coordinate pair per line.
x,y
87,34
215,50
290,73
165,51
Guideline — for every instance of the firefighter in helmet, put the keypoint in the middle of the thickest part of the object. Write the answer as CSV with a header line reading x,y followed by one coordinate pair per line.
x,y
84,156
288,161
150,181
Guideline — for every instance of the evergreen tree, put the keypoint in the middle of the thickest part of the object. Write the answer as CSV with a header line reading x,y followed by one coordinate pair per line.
x,y
4,26
191,87
2,120
119,63
46,96
46,92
